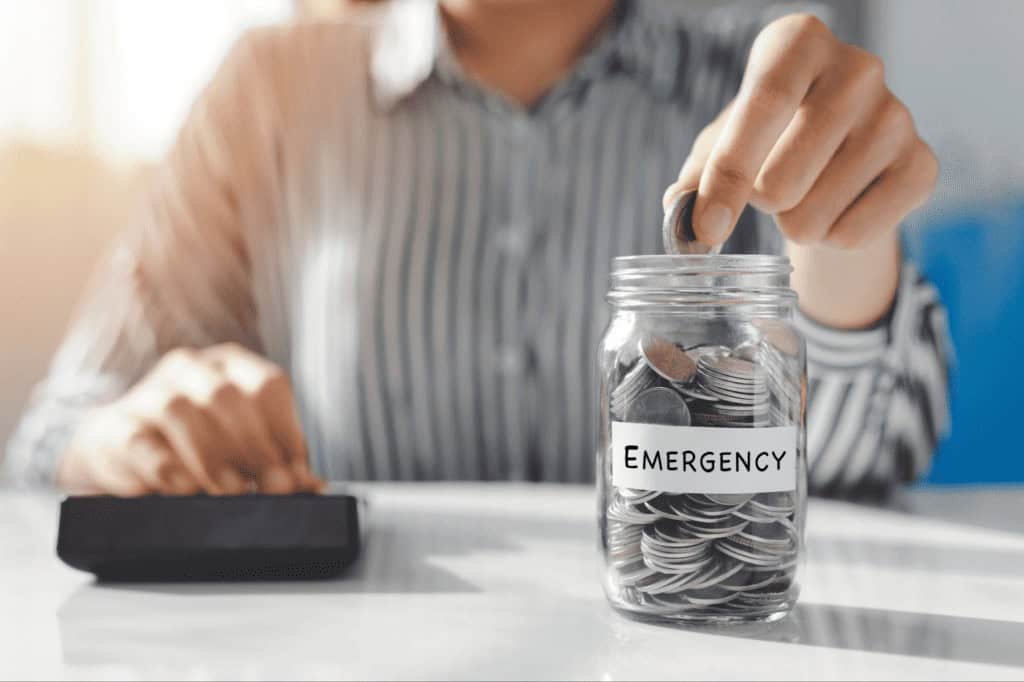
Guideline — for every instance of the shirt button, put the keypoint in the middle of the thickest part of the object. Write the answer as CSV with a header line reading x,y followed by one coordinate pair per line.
x,y
513,238
521,126
511,360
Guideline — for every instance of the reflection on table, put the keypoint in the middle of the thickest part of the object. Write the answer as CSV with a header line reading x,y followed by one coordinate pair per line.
x,y
503,581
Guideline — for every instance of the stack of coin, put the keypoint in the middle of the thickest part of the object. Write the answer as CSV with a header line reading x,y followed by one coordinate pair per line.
x,y
710,553
738,388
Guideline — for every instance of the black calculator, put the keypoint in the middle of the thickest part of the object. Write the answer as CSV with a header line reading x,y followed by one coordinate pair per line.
x,y
246,537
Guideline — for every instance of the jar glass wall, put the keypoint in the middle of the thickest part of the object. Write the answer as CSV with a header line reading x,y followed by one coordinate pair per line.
x,y
701,463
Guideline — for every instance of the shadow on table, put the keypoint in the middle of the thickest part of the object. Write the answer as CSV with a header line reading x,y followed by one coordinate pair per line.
x,y
937,636
395,559
403,557
397,556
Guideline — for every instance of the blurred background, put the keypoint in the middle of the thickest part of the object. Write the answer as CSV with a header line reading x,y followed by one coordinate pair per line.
x,y
92,92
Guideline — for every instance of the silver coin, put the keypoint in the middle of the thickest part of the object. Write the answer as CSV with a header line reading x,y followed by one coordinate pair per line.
x,y
728,395
666,583
752,558
728,365
748,350
636,574
717,531
774,503
753,545
779,335
710,596
747,513
696,394
728,499
635,381
677,566
708,509
765,597
637,496
748,580
659,406
717,572
677,235
667,359
725,420
677,538
676,561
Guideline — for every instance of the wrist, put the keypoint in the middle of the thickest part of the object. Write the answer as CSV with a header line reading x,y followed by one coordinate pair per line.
x,y
846,289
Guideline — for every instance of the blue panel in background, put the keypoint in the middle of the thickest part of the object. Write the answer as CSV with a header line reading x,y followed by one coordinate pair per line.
x,y
976,259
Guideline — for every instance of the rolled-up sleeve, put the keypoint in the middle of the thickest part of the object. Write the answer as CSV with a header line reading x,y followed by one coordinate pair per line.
x,y
878,398
179,277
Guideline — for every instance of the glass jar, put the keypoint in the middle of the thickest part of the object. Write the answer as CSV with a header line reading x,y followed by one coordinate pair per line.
x,y
701,464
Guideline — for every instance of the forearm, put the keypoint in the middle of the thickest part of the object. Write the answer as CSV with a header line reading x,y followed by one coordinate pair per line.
x,y
846,289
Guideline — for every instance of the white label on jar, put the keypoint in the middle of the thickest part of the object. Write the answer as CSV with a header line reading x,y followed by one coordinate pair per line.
x,y
703,459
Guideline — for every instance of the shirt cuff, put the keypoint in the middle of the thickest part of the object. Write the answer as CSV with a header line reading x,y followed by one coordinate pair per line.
x,y
833,348
46,430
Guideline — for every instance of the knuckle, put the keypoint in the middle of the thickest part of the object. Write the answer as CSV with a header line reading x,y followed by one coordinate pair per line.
x,y
178,406
777,191
929,165
922,173
220,351
225,394
141,436
273,383
867,65
179,356
730,172
705,137
797,24
165,468
230,347
805,25
896,118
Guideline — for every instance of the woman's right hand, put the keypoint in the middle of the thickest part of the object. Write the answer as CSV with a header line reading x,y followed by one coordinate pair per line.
x,y
221,420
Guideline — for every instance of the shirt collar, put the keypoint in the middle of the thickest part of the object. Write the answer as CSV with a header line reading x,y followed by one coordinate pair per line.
x,y
410,45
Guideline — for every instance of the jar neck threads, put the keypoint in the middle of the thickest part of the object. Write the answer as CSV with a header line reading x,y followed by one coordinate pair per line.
x,y
756,284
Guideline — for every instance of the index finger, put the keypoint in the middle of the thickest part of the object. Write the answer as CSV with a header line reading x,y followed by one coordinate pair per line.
x,y
269,386
786,59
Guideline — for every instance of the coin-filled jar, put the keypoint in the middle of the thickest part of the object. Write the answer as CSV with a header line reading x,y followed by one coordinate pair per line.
x,y
701,464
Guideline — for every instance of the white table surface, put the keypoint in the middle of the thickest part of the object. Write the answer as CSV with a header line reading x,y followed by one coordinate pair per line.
x,y
502,581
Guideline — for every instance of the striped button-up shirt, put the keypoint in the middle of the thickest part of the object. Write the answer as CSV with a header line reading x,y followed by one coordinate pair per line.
x,y
428,260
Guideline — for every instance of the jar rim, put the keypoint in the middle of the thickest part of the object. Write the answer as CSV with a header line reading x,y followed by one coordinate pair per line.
x,y
739,281
754,264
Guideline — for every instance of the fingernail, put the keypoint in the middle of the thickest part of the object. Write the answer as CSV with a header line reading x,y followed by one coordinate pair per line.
x,y
715,222
230,482
276,479
672,193
304,477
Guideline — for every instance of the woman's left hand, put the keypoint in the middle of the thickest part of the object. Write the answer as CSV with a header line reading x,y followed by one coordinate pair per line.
x,y
814,137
